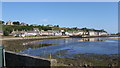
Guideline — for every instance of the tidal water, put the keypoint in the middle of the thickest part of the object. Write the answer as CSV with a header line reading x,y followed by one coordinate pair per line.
x,y
69,47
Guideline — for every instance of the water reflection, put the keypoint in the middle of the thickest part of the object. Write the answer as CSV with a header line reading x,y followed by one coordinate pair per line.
x,y
91,39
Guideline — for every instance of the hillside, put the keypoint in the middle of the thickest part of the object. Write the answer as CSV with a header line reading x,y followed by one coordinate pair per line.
x,y
7,29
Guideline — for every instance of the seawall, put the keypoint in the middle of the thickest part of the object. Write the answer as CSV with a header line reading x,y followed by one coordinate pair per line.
x,y
15,59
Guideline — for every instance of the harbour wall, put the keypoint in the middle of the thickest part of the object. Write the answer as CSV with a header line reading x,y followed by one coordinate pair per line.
x,y
15,59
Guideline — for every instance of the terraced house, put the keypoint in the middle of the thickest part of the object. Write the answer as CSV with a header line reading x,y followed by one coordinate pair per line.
x,y
36,32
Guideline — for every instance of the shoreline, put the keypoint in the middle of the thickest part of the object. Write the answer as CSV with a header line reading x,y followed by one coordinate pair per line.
x,y
113,37
72,62
50,37
44,37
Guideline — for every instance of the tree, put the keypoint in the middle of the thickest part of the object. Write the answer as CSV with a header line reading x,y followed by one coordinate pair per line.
x,y
2,22
102,30
85,29
75,28
57,25
16,23
6,33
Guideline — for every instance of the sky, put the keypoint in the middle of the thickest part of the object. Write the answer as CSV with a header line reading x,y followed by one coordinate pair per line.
x,y
97,15
59,0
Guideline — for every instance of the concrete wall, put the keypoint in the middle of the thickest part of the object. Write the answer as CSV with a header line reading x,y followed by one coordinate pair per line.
x,y
15,59
1,56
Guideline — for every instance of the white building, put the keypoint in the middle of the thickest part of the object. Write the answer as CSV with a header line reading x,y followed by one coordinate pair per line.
x,y
93,33
103,33
9,23
23,24
74,33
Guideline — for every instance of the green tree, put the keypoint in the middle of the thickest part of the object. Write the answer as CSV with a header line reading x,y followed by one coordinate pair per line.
x,y
2,22
57,25
6,33
16,23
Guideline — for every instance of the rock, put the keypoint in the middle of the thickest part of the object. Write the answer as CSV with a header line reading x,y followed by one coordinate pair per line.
x,y
70,64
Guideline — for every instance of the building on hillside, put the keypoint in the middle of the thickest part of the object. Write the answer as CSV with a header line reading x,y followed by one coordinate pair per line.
x,y
36,32
59,32
34,25
23,24
93,33
85,33
74,33
32,33
9,23
18,33
35,29
50,32
103,33
50,25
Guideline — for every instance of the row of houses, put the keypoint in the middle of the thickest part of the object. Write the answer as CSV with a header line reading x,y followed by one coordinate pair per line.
x,y
88,33
36,32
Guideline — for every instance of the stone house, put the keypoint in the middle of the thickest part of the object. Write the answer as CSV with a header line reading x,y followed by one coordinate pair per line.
x,y
9,23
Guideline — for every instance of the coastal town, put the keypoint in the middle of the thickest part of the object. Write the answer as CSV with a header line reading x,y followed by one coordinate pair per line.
x,y
21,37
59,34
50,32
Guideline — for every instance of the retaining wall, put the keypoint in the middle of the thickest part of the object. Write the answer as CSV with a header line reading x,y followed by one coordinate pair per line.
x,y
15,59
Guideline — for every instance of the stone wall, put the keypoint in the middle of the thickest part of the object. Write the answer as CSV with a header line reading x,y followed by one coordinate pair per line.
x,y
15,59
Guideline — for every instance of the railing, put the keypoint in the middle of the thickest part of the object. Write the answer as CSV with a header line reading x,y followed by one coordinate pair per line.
x,y
2,56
